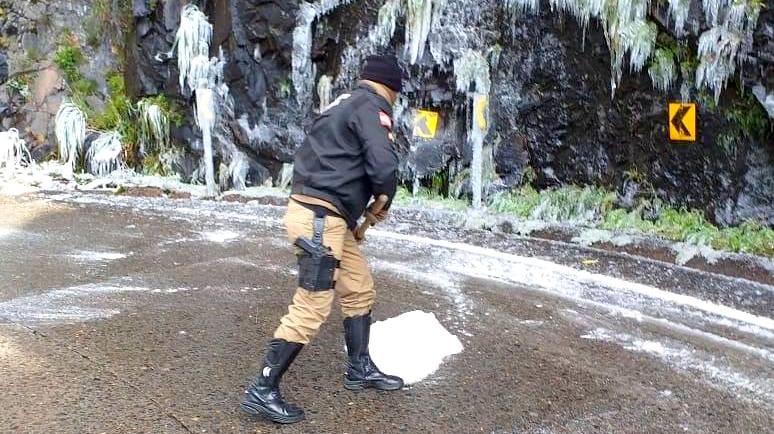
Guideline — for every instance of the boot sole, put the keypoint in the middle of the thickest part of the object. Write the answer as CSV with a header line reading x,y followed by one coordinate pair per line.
x,y
255,410
361,385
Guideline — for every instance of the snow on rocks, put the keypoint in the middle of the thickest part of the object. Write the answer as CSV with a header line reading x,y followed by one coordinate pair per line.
x,y
411,345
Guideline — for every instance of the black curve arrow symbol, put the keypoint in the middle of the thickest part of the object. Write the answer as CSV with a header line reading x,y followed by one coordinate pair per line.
x,y
677,120
423,127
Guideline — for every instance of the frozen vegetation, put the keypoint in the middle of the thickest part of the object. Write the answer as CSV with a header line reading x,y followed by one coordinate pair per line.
x,y
70,129
105,154
629,30
13,151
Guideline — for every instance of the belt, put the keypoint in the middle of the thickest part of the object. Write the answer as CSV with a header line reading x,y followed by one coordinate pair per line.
x,y
318,210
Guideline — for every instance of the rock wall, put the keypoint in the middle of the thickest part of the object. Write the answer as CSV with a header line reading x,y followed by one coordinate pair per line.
x,y
551,112
33,89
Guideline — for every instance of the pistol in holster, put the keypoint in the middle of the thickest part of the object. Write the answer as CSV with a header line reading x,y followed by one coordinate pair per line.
x,y
316,262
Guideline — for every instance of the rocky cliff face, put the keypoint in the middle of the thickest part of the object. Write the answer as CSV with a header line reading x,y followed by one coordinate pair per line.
x,y
548,114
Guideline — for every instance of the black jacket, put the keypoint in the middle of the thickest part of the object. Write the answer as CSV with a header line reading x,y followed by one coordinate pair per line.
x,y
348,155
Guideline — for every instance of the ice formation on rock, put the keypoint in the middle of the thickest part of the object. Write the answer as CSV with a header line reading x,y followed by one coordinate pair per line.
x,y
381,34
13,151
70,131
472,69
304,71
662,69
154,127
419,19
105,154
324,91
192,40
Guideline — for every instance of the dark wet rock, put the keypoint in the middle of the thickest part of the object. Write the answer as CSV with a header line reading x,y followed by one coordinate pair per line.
x,y
3,68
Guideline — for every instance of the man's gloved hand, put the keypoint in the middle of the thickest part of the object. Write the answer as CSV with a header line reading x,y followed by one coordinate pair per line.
x,y
381,215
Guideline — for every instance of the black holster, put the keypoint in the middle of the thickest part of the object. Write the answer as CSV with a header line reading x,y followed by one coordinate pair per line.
x,y
316,262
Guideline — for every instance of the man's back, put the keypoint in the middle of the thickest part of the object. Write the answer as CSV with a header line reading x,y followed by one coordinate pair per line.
x,y
348,155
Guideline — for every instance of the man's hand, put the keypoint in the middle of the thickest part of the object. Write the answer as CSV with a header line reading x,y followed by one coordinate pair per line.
x,y
376,213
380,216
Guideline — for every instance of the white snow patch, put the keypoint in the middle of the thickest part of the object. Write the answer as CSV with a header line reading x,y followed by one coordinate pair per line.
x,y
411,345
86,255
219,236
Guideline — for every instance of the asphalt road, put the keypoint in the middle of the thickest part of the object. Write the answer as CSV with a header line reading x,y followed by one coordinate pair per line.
x,y
131,315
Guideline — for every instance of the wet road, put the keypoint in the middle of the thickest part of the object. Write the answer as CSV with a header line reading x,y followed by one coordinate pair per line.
x,y
122,315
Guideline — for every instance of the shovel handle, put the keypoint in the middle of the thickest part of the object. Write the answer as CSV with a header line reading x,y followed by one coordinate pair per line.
x,y
370,218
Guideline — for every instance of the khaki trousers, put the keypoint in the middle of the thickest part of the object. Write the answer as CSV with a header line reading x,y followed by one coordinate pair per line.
x,y
354,284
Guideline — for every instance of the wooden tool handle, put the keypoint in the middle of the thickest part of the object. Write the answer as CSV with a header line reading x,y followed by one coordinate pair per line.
x,y
370,218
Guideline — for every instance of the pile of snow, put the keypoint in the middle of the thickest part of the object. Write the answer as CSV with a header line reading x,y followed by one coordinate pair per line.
x,y
411,345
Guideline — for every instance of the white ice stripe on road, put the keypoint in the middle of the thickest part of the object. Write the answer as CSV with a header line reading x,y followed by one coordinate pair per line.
x,y
564,272
688,359
87,255
684,329
219,236
65,305
435,277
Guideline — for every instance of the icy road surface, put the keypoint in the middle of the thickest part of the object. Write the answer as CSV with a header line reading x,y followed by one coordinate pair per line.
x,y
123,314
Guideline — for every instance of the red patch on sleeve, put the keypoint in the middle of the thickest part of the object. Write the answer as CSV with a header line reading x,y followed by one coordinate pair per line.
x,y
385,120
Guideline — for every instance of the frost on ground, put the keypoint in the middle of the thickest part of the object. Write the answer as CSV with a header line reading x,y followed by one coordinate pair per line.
x,y
594,236
714,370
91,256
64,305
219,236
411,345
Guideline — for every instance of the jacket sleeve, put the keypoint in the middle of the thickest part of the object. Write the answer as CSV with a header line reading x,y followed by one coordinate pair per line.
x,y
381,160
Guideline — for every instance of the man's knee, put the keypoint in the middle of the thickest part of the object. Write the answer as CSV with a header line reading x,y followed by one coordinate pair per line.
x,y
310,309
361,301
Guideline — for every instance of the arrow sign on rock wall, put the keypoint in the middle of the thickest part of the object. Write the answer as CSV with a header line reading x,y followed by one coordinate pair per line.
x,y
682,121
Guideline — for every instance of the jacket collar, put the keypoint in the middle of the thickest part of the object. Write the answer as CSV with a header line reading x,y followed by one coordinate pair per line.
x,y
382,102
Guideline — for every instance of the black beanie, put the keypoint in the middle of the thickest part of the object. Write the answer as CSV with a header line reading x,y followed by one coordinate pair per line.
x,y
384,70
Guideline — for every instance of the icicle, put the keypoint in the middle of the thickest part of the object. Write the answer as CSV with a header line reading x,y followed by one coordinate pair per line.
x,y
679,10
304,71
192,40
381,34
712,9
473,68
70,131
522,6
286,176
324,91
238,169
13,151
419,14
105,154
154,127
638,38
662,70
206,118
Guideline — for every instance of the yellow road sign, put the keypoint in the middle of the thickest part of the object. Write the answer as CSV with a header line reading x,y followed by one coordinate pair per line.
x,y
480,106
425,124
682,121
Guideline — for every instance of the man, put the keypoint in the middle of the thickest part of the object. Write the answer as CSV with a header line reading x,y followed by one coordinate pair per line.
x,y
347,158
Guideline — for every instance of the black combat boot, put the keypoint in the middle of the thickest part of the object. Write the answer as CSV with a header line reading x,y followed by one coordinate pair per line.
x,y
361,372
263,398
